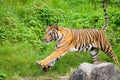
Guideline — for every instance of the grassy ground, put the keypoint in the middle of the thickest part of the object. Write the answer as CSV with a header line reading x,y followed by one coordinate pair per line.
x,y
19,61
22,27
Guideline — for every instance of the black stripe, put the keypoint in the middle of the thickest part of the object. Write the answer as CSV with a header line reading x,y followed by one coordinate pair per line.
x,y
78,39
79,48
84,40
107,49
54,36
104,45
87,47
80,43
88,32
87,37
93,34
92,48
101,41
57,35
76,46
60,38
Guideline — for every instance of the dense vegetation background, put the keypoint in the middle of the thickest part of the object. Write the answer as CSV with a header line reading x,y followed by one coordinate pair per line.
x,y
23,24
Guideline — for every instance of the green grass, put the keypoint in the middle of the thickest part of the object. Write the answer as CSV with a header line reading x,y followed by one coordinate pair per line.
x,y
19,60
22,28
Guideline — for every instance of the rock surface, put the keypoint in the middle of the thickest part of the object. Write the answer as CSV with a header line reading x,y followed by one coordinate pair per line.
x,y
103,71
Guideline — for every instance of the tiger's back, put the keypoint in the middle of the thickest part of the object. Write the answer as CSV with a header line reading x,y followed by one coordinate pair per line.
x,y
90,38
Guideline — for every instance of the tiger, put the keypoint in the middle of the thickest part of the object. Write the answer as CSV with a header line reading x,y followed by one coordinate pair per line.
x,y
68,39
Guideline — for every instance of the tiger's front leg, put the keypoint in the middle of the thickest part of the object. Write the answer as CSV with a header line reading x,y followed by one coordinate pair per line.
x,y
51,59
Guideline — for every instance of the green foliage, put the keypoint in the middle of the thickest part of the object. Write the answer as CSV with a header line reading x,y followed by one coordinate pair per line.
x,y
2,76
22,28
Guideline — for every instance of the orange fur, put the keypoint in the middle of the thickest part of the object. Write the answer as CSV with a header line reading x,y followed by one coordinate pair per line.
x,y
76,40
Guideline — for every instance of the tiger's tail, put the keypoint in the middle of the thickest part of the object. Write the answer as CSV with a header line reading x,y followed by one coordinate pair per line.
x,y
106,15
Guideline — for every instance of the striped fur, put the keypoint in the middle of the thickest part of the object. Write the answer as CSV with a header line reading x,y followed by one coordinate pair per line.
x,y
106,15
76,40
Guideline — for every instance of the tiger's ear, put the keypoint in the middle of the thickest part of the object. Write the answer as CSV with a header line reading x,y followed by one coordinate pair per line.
x,y
56,27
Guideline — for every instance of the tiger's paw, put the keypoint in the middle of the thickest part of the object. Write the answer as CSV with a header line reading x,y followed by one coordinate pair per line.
x,y
44,67
40,63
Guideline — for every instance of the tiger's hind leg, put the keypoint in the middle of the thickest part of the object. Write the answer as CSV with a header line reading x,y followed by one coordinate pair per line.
x,y
94,55
107,49
113,56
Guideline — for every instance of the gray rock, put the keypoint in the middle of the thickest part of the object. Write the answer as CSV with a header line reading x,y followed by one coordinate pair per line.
x,y
103,71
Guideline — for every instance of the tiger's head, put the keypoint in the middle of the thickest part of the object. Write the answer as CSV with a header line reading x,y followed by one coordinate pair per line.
x,y
52,33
